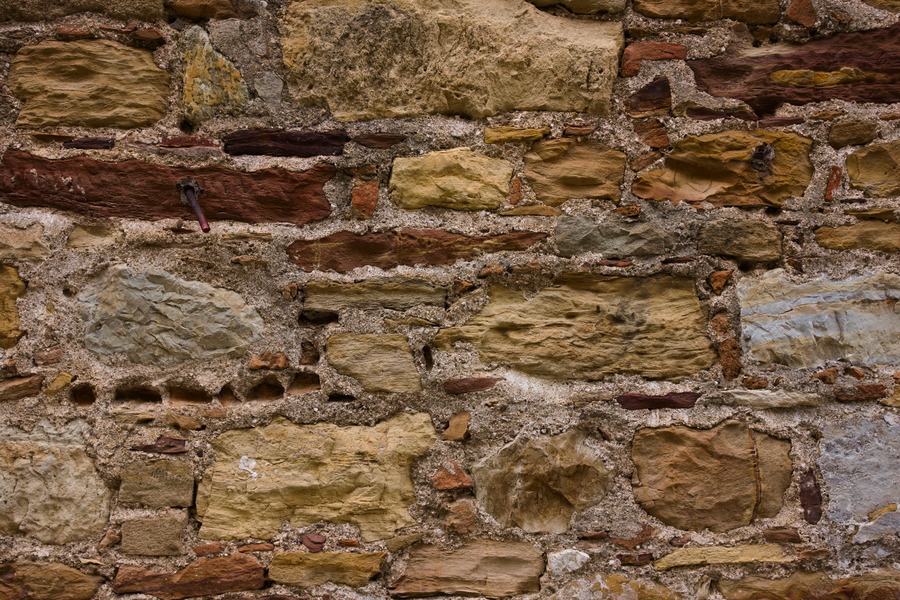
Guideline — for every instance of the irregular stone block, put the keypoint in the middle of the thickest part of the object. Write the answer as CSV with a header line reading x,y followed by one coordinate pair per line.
x,y
211,82
458,179
395,294
766,398
303,569
856,67
380,362
513,135
22,242
212,9
807,324
278,142
157,484
721,555
876,170
203,577
470,384
154,536
852,132
538,484
662,334
636,53
566,561
11,287
310,473
871,586
757,13
613,587
478,568
562,169
585,7
45,581
50,489
345,250
871,235
94,236
652,100
635,401
466,57
744,476
96,188
576,234
48,10
16,388
748,240
157,318
731,168
87,83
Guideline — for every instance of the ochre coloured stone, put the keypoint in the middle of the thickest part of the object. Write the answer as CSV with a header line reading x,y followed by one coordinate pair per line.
x,y
154,536
458,179
875,170
613,587
278,142
458,427
45,581
345,250
18,242
584,7
852,132
744,476
723,555
393,293
538,484
513,135
87,83
478,568
134,189
747,240
562,169
302,569
310,473
759,12
878,585
473,58
157,484
731,168
48,10
203,577
211,82
872,235
638,52
380,362
660,335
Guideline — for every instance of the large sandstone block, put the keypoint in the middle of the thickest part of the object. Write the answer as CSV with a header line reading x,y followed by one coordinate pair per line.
x,y
466,57
578,234
305,569
875,169
309,473
157,484
749,240
872,235
45,581
11,287
88,83
49,488
394,293
813,586
613,587
588,327
723,555
46,10
562,169
807,324
743,477
380,362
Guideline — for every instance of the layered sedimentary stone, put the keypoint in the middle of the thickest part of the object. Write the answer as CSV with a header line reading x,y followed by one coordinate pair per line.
x,y
154,536
16,388
469,57
731,168
580,328
538,484
871,586
478,568
11,287
744,476
303,569
45,581
156,318
767,398
871,235
636,401
88,83
723,555
764,11
585,7
380,362
875,170
50,489
278,142
46,10
203,577
807,324
394,293
212,9
860,66
747,240
22,242
577,234
562,169
459,179
157,484
638,52
211,82
308,473
613,587
96,188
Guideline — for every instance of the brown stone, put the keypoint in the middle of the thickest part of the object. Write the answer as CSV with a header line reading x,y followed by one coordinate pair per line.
x,y
723,555
760,12
636,401
652,132
579,130
835,175
257,547
478,568
134,189
810,497
638,52
718,280
45,581
16,388
871,235
157,484
154,536
458,428
203,577
379,140
268,360
642,161
461,517
180,421
507,135
861,393
210,9
364,198
345,250
883,585
744,476
549,168
470,384
164,445
860,66
211,548
306,570
380,362
782,535
654,99
852,132
875,169
802,12
90,143
11,287
451,476
746,240
279,142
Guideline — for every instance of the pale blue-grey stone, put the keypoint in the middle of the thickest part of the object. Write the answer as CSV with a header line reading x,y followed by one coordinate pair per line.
x,y
886,526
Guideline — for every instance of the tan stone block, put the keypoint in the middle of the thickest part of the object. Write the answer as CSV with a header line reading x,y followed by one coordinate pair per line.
x,y
721,555
304,569
562,169
157,484
380,362
871,235
154,536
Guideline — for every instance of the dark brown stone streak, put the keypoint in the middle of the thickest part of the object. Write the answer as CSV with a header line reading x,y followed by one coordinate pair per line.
x,y
278,142
636,401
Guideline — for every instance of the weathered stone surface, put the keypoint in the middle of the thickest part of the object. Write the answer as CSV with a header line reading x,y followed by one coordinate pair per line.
x,y
860,66
636,53
872,235
154,536
134,189
578,234
203,577
22,242
812,586
164,445
394,293
157,484
538,484
157,318
761,12
90,143
11,287
635,401
852,132
211,82
513,135
613,587
45,581
468,57
279,142
478,568
16,388
566,561
886,526
731,168
745,239
380,362
46,10
308,473
49,487
744,476
807,324
875,170
562,169
577,329
470,384
87,83
211,9
654,99
457,428
802,12
345,250
459,179
584,7
303,569
721,555
767,398
94,236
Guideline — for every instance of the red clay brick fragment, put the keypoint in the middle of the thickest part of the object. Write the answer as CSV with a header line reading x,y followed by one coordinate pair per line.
x,y
755,383
203,577
718,280
268,360
834,182
810,497
861,393
635,401
208,549
729,351
134,189
635,54
364,198
451,476
645,534
635,560
828,376
164,445
470,384
278,142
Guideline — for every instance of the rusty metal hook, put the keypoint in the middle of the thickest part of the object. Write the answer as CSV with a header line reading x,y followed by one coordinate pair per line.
x,y
190,196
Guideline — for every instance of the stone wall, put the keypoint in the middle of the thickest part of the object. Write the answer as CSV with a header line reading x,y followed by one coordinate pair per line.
x,y
584,300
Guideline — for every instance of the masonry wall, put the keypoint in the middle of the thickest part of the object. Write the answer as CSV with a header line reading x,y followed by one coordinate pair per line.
x,y
592,300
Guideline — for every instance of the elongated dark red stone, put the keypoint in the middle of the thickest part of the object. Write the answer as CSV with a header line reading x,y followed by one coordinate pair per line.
x,y
164,445
810,497
203,577
470,384
278,142
635,401
90,143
